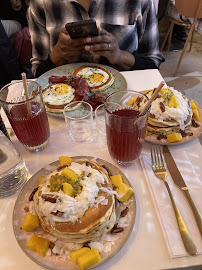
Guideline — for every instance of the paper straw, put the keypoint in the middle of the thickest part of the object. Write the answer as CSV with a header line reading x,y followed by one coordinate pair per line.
x,y
146,106
24,80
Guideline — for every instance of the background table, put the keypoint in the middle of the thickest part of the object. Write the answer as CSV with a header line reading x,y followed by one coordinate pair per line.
x,y
146,247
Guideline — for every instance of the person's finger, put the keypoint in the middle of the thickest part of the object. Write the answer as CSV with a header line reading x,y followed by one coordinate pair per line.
x,y
102,31
106,54
98,39
63,30
72,43
107,46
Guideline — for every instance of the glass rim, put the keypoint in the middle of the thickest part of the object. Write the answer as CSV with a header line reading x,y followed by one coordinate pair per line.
x,y
76,102
96,110
23,101
128,117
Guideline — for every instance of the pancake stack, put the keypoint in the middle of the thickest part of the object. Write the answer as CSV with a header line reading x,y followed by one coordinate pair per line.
x,y
168,117
88,214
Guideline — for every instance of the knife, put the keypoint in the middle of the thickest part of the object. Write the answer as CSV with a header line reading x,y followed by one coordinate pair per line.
x,y
178,180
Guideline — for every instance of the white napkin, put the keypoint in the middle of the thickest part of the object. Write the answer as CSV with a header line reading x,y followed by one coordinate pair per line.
x,y
163,203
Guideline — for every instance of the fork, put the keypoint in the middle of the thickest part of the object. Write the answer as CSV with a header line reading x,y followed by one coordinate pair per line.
x,y
160,171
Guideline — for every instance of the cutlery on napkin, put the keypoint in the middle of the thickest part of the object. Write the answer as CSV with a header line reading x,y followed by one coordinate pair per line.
x,y
179,181
163,204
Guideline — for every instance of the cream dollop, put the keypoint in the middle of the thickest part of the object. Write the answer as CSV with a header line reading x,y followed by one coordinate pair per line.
x,y
180,113
73,208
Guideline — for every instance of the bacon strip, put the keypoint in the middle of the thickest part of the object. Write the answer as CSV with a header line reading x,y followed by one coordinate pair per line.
x,y
81,89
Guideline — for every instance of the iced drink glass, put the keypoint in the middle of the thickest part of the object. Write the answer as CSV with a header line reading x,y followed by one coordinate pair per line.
x,y
27,117
125,126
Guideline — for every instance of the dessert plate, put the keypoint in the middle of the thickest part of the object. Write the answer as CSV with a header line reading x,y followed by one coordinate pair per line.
x,y
57,262
152,138
67,70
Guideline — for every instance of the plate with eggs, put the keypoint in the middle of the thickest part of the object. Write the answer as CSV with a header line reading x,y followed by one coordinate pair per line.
x,y
174,118
79,81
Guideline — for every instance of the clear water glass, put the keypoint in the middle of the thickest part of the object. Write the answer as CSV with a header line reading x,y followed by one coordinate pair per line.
x,y
13,172
79,120
100,122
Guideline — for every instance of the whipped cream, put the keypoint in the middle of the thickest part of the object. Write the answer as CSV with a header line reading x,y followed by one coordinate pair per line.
x,y
73,208
180,113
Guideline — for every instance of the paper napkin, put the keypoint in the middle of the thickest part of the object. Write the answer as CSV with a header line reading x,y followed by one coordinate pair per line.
x,y
163,205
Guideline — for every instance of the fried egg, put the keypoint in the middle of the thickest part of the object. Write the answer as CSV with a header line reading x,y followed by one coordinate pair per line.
x,y
58,94
97,77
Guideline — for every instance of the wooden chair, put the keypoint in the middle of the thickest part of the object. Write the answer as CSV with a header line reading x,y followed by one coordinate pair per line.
x,y
187,8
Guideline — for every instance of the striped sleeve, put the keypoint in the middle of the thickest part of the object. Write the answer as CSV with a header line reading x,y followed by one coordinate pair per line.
x,y
39,34
148,54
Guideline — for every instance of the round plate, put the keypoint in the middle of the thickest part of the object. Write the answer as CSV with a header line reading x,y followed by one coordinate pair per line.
x,y
55,262
67,70
196,131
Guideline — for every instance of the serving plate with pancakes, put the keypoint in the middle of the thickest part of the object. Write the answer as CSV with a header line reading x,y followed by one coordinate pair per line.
x,y
97,220
157,130
100,78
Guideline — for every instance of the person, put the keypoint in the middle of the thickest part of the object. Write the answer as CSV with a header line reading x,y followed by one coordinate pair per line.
x,y
13,18
9,65
13,15
128,34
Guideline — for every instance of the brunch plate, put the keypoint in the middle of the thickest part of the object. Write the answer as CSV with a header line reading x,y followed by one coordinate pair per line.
x,y
54,262
196,131
67,70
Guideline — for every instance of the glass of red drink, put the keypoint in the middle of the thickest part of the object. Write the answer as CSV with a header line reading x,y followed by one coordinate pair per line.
x,y
125,126
27,117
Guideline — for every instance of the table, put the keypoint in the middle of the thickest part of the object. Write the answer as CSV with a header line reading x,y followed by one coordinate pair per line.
x,y
146,247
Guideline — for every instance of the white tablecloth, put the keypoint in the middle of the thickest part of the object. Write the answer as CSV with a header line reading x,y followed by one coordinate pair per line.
x,y
146,247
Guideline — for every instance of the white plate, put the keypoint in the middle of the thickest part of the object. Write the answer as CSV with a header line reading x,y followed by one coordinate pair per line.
x,y
67,70
54,262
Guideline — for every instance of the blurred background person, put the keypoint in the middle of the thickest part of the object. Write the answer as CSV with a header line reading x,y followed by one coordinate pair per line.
x,y
9,65
13,18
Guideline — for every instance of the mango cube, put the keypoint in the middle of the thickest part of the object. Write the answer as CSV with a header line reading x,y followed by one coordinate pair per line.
x,y
69,174
30,222
68,189
124,192
131,100
38,244
196,114
74,255
172,102
164,90
65,160
193,105
174,137
116,180
40,179
89,259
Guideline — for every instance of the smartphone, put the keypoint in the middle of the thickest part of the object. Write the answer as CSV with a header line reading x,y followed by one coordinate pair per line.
x,y
82,29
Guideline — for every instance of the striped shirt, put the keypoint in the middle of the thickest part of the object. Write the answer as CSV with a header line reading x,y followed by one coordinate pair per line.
x,y
132,22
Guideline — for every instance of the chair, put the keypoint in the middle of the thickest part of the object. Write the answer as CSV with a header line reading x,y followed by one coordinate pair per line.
x,y
186,8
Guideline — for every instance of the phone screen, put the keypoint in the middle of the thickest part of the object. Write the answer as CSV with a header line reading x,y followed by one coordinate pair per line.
x,y
82,29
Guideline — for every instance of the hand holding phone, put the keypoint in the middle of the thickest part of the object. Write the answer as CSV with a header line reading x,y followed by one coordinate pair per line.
x,y
82,29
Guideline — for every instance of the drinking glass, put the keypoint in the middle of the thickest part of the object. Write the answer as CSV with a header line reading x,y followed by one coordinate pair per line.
x,y
3,128
125,126
79,120
27,117
13,172
100,122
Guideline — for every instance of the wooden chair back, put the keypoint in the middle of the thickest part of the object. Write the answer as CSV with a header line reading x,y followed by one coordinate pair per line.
x,y
189,8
